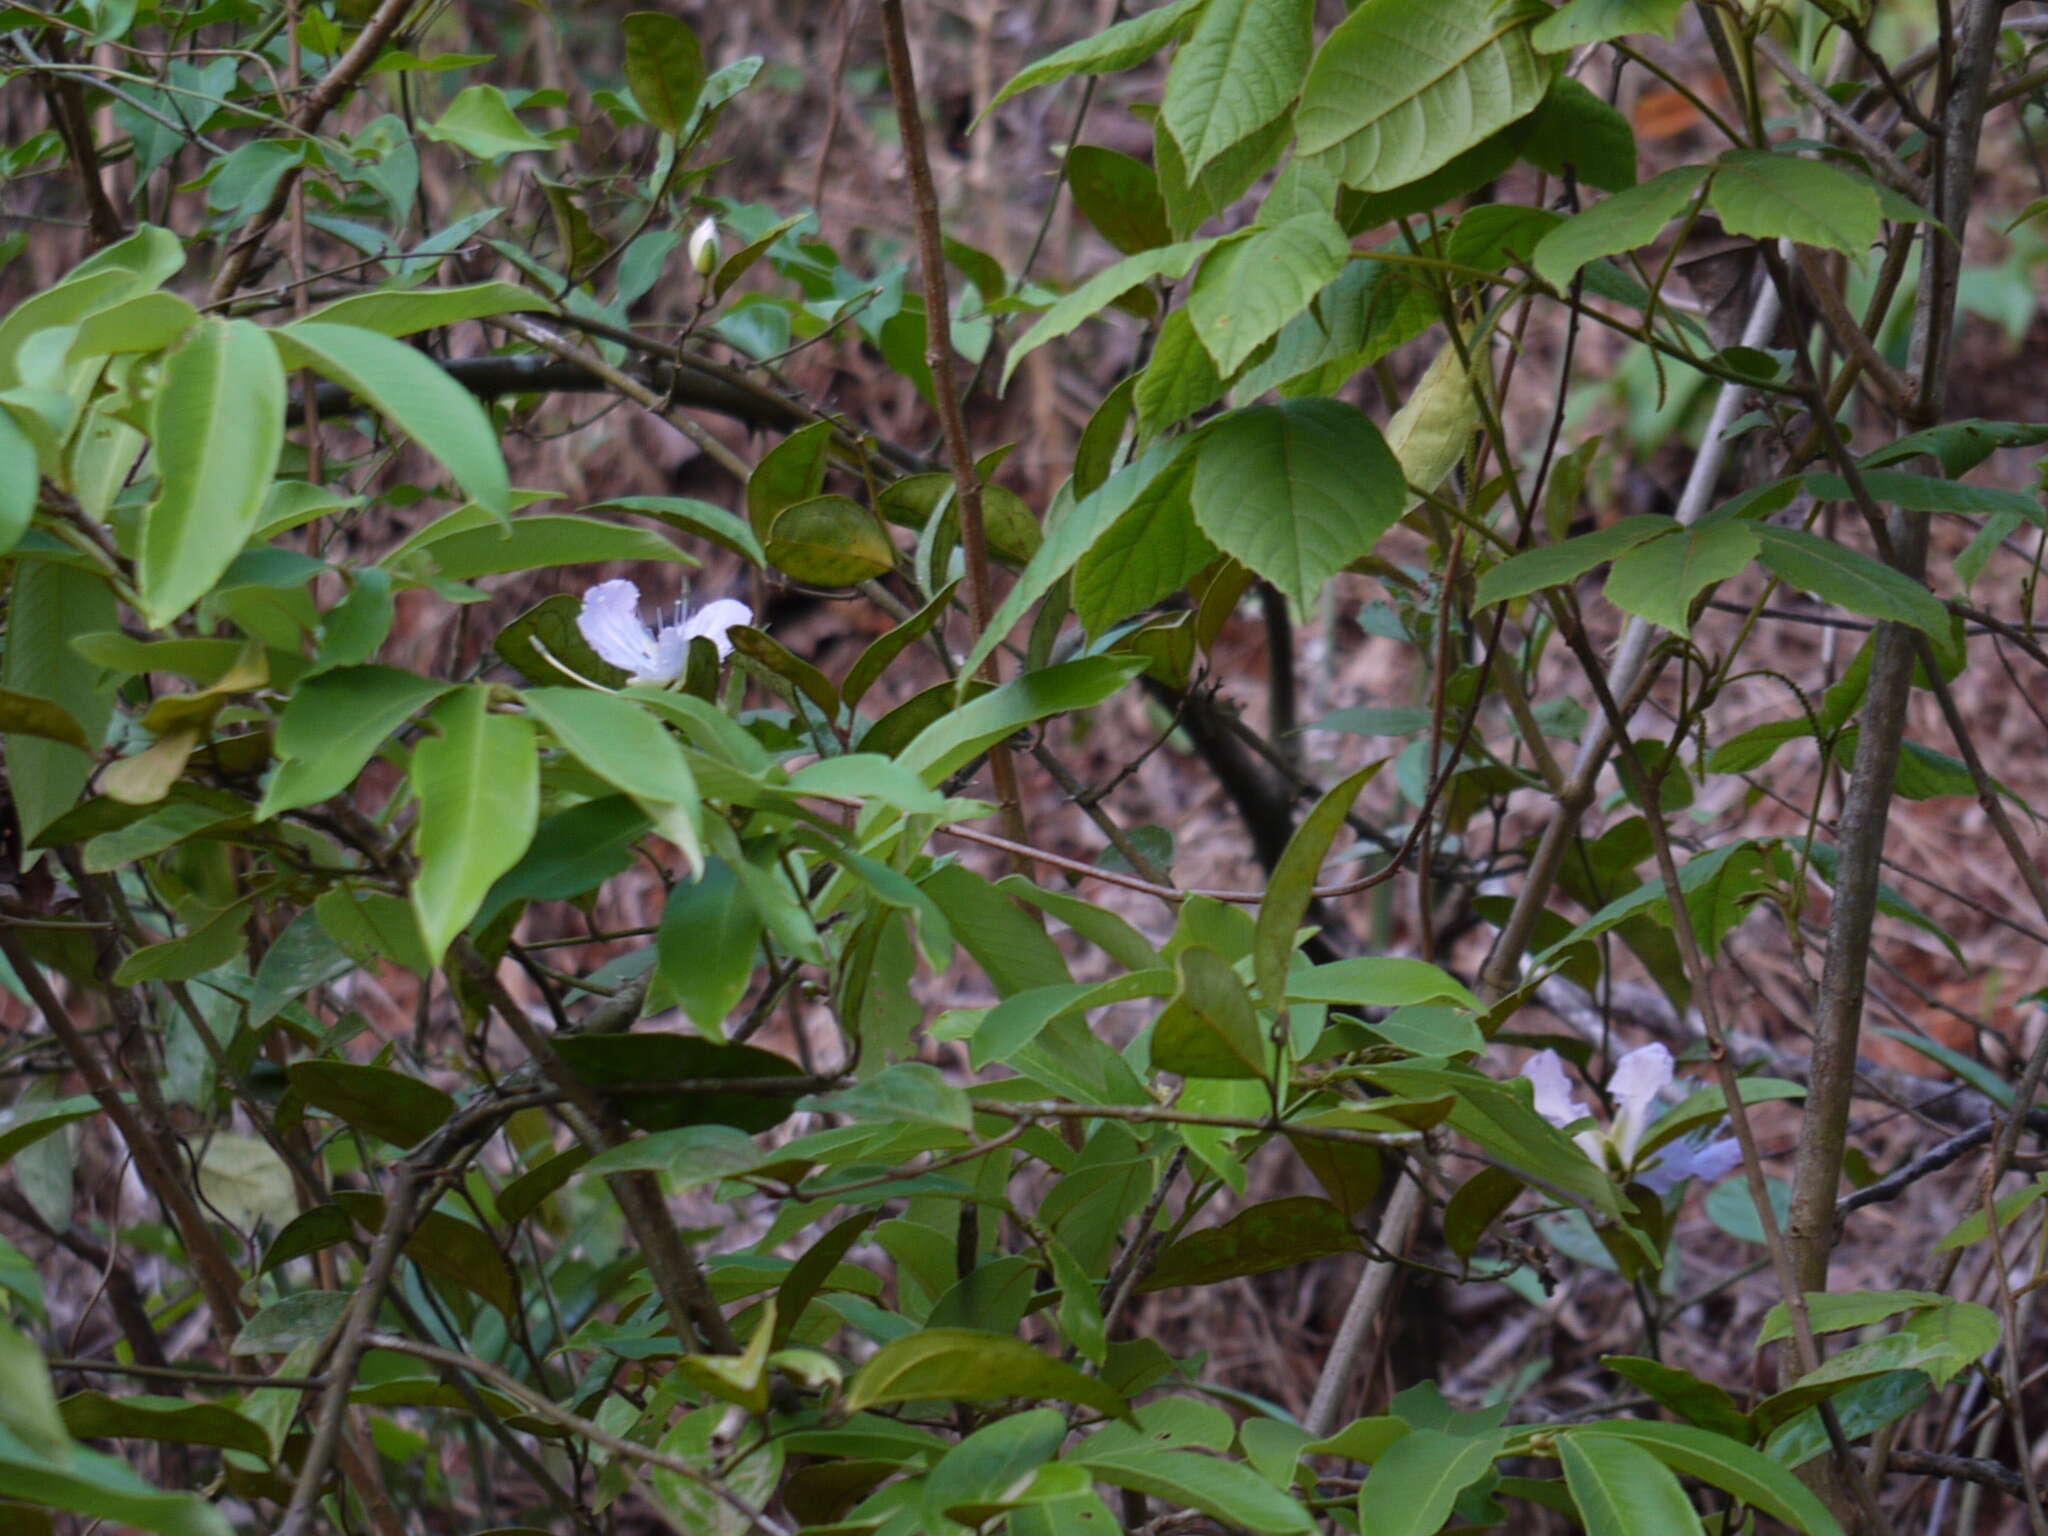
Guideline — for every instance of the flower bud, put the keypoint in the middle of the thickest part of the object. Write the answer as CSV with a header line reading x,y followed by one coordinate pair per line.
x,y
704,248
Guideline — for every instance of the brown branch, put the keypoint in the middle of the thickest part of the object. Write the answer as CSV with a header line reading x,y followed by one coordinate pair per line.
x,y
321,100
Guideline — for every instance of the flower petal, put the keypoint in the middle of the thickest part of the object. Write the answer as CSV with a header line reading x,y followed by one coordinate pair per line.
x,y
1690,1159
1639,1077
714,619
610,621
666,659
1555,1100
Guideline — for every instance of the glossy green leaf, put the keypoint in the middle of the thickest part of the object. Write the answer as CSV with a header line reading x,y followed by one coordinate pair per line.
x,y
875,660
1120,196
627,747
1575,130
445,1247
20,481
1735,1468
1703,1402
408,311
1276,1234
958,738
535,543
648,1060
1402,86
664,67
708,945
1225,1490
96,1416
830,541
301,1318
963,1365
1179,379
391,1106
910,1092
218,426
1297,491
1413,1486
101,1488
1851,579
1290,890
478,783
701,518
1622,1489
332,726
418,398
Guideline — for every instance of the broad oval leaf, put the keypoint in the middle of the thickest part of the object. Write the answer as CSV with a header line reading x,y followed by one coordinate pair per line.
x,y
1402,86
830,541
664,66
478,783
1237,71
1297,491
391,1106
1622,1489
1277,1234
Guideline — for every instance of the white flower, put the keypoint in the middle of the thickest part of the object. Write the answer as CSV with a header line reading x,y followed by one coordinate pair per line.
x,y
1639,1078
610,621
704,248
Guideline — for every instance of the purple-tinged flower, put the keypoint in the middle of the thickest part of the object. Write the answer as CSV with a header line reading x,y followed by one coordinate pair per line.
x,y
611,622
1639,1079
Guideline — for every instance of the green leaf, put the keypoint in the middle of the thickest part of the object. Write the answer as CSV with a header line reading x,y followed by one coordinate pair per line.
x,y
790,472
1277,1234
1622,1489
708,945
481,122
978,1478
1577,131
648,1060
1431,431
218,425
478,783
1210,1029
102,1488
910,1093
664,67
1620,223
1120,196
215,941
627,747
308,1232
1582,22
1961,446
1850,579
445,1247
1414,1485
1070,538
948,745
1706,1404
1297,491
331,727
302,1318
692,516
535,543
1773,196
1237,71
22,1125
1248,289
1288,892
1110,51
690,1156
28,1404
23,714
1378,981
1735,1468
1192,201
1149,552
1659,580
1547,566
1839,1311
875,660
20,480
1223,1490
391,1106
417,397
1976,1226
1179,379
1402,86
96,1416
1928,493
408,311
962,1365
830,541
1101,290
520,1198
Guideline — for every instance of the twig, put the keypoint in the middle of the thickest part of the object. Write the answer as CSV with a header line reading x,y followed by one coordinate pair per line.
x,y
1397,1227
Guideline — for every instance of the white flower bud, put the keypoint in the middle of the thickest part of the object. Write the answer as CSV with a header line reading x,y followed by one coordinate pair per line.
x,y
704,248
